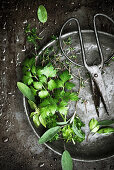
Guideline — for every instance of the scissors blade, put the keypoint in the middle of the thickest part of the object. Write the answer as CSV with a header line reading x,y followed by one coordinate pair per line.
x,y
96,96
97,78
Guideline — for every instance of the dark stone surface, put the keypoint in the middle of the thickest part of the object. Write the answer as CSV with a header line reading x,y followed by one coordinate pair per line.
x,y
19,148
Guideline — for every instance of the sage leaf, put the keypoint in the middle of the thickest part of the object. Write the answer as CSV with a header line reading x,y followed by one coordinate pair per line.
x,y
66,161
49,134
106,130
32,104
77,131
62,123
42,14
26,91
106,122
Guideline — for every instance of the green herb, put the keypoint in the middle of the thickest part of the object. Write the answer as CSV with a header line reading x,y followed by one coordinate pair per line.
x,y
49,134
42,14
106,122
66,161
26,91
106,130
97,126
93,125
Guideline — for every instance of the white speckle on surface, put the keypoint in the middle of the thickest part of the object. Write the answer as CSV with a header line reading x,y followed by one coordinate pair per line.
x,y
24,49
24,22
17,38
4,50
4,26
12,61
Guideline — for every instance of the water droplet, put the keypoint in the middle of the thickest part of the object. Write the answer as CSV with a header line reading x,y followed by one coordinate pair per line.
x,y
51,165
4,51
55,22
5,139
4,26
72,3
25,22
4,39
55,159
24,48
12,61
41,164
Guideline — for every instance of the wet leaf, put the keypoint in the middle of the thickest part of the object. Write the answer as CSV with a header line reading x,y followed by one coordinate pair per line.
x,y
66,161
49,71
51,85
73,97
106,122
37,85
36,120
62,123
65,76
48,135
42,14
42,120
77,131
69,85
93,123
26,91
43,94
106,130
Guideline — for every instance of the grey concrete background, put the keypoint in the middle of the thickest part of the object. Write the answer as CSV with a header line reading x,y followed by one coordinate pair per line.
x,y
19,149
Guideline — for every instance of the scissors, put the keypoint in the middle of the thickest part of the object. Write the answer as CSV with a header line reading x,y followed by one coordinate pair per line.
x,y
98,87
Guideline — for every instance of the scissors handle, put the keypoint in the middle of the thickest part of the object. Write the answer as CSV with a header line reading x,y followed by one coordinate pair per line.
x,y
80,38
97,39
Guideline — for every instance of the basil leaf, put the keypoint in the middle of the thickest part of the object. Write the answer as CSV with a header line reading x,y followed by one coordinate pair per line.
x,y
42,120
106,130
48,135
93,123
26,91
36,120
42,14
66,161
106,122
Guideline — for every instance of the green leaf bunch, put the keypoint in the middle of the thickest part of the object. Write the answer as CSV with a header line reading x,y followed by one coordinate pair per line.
x,y
31,35
73,132
101,127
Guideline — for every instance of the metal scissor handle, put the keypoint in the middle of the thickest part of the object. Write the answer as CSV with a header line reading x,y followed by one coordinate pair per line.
x,y
80,37
82,44
97,39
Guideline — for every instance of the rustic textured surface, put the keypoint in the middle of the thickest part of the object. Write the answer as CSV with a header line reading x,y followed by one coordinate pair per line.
x,y
19,148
